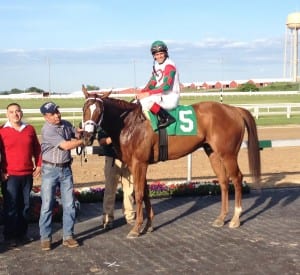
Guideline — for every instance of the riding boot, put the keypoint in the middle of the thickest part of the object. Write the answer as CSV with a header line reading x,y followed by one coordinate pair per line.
x,y
164,118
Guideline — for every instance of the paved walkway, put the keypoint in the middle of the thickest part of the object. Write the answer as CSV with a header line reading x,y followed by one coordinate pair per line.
x,y
184,242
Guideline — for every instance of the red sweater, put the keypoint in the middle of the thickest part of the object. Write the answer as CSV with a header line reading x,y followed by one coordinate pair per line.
x,y
18,148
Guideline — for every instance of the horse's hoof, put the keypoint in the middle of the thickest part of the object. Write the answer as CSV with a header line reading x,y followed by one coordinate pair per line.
x,y
150,229
147,230
234,224
218,223
133,235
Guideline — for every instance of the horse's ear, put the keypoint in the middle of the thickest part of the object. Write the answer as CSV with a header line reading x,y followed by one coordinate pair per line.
x,y
85,92
106,94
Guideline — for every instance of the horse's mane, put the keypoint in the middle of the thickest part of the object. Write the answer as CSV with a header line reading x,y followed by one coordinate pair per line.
x,y
120,104
122,115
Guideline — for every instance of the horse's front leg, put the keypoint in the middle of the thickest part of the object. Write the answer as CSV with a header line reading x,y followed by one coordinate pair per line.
x,y
219,169
135,231
139,180
149,211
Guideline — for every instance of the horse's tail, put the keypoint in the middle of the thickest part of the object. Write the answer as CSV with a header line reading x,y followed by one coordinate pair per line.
x,y
253,146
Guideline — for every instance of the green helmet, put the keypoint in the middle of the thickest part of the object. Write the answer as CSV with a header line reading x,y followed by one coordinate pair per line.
x,y
158,46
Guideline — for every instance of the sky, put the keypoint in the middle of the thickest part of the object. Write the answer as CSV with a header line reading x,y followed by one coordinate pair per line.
x,y
59,45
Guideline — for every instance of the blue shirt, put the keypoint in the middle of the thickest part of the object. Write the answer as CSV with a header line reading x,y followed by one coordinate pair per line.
x,y
52,136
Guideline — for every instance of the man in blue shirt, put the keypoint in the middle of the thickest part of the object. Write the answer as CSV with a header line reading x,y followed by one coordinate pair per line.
x,y
58,138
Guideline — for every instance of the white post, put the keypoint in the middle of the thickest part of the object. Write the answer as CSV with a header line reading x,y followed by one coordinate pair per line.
x,y
295,55
256,111
285,53
49,75
189,171
288,111
134,76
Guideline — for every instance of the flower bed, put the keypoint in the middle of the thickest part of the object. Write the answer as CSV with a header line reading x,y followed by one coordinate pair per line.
x,y
36,203
175,189
35,209
156,190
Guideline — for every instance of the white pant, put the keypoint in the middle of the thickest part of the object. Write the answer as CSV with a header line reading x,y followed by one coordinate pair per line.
x,y
167,101
116,172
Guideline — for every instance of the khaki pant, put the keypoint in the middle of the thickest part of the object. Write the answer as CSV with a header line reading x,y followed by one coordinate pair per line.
x,y
116,172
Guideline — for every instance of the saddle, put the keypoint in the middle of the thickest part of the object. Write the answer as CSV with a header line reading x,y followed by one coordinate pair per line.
x,y
185,125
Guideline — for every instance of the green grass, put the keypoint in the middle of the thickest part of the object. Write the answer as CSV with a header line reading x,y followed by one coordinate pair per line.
x,y
244,99
277,120
35,103
228,99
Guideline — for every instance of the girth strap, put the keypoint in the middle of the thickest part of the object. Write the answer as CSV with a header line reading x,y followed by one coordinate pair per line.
x,y
163,145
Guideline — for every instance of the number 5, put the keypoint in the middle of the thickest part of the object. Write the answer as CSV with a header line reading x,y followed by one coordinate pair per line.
x,y
186,123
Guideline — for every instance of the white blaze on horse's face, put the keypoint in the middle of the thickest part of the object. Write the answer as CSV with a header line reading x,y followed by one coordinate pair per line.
x,y
92,116
89,126
92,108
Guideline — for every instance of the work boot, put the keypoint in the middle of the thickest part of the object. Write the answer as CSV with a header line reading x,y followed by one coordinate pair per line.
x,y
164,118
46,245
71,243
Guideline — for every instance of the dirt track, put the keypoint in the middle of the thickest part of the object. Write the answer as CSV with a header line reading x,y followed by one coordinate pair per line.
x,y
280,166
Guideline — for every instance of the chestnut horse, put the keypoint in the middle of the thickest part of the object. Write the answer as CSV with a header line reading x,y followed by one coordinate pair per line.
x,y
220,131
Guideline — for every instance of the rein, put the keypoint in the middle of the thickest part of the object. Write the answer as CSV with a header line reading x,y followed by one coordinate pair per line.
x,y
124,114
82,153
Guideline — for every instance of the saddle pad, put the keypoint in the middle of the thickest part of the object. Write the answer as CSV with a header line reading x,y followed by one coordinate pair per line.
x,y
185,125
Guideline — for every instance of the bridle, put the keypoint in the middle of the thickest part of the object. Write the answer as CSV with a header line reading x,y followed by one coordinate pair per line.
x,y
90,126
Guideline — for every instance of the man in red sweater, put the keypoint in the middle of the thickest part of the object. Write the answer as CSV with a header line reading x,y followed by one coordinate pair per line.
x,y
20,162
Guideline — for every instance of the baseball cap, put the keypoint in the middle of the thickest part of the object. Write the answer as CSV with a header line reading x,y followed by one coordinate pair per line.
x,y
49,107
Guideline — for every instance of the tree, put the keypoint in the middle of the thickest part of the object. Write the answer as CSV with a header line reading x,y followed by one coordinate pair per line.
x,y
247,87
92,88
34,90
16,91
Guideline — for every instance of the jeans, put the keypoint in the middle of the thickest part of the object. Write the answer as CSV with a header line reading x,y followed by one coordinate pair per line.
x,y
53,177
16,195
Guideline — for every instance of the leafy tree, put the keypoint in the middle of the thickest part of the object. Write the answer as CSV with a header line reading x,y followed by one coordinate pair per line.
x,y
4,92
35,90
92,88
247,87
16,91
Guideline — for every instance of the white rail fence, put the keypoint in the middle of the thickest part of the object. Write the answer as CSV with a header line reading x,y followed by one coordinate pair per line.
x,y
257,110
90,150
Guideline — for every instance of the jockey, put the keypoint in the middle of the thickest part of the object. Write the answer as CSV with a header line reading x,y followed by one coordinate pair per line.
x,y
163,89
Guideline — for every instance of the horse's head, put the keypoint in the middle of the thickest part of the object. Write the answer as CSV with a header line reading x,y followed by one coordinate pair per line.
x,y
92,114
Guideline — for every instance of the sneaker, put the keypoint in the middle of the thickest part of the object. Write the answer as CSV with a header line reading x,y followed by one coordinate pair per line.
x,y
46,245
71,243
